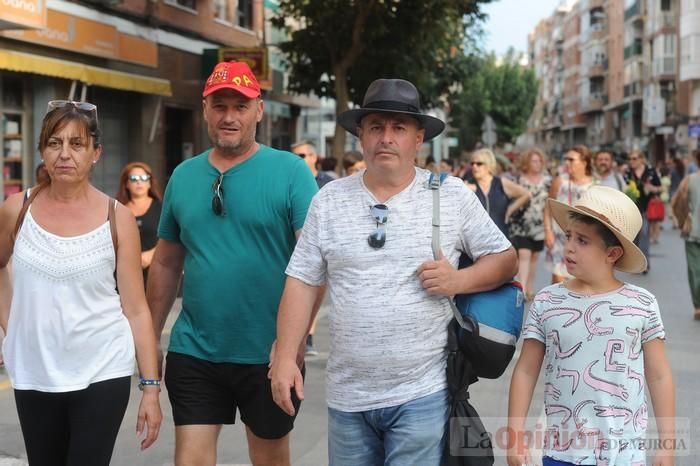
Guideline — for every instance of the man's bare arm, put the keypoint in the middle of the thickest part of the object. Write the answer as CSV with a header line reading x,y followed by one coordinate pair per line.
x,y
163,279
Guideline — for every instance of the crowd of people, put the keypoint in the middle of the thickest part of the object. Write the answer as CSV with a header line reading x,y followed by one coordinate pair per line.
x,y
93,280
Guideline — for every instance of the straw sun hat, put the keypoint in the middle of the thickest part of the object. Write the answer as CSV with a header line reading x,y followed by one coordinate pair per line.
x,y
617,212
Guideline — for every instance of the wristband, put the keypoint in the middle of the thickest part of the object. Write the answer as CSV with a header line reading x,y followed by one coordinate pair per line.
x,y
146,382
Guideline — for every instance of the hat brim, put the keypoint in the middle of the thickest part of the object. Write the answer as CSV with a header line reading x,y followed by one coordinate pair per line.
x,y
245,91
633,259
350,120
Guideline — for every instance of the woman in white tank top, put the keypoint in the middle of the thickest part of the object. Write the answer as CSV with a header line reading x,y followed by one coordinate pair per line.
x,y
71,336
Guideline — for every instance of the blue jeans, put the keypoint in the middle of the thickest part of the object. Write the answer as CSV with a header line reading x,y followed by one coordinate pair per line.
x,y
547,461
642,239
411,433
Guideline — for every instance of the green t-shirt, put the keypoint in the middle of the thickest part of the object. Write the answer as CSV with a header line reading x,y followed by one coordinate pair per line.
x,y
234,265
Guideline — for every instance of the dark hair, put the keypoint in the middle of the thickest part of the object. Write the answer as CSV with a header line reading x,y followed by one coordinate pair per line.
x,y
58,118
585,155
449,162
604,151
328,164
124,196
351,158
604,232
697,156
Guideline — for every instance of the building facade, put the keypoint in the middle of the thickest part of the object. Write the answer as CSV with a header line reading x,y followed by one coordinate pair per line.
x,y
689,69
142,62
637,74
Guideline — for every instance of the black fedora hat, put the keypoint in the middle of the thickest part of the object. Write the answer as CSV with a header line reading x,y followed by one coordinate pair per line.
x,y
391,96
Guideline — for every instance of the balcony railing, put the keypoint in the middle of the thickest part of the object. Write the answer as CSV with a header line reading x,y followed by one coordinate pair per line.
x,y
659,22
593,102
632,11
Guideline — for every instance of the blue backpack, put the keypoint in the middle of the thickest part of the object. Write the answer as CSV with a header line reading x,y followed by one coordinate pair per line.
x,y
489,321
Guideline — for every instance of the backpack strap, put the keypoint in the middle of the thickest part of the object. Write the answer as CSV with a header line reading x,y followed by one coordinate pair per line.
x,y
620,181
111,216
434,183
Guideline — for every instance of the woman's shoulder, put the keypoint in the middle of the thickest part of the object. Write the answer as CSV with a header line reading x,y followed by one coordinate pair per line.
x,y
11,207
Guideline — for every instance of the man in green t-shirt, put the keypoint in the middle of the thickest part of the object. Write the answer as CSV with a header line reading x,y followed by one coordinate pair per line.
x,y
230,217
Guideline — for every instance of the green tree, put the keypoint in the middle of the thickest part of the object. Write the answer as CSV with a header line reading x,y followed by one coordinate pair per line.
x,y
503,89
337,47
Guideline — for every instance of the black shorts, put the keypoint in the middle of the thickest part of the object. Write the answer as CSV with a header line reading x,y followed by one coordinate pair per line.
x,y
203,392
522,242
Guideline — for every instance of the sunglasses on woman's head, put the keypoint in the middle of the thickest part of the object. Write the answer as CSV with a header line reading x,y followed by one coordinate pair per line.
x,y
136,178
85,107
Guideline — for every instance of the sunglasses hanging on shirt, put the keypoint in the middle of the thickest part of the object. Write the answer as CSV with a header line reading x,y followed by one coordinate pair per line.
x,y
380,213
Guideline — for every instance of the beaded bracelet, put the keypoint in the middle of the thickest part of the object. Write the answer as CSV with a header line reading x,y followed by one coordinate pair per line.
x,y
145,382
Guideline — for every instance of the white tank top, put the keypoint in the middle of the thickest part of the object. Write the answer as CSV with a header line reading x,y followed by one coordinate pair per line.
x,y
66,328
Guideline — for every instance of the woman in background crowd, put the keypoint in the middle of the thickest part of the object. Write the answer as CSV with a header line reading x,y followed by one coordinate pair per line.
x,y
527,225
567,187
499,196
647,183
140,192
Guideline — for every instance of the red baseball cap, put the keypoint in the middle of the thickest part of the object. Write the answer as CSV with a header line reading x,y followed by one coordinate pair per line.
x,y
234,75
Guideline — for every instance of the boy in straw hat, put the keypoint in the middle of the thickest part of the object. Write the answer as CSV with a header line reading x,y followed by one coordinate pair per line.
x,y
601,341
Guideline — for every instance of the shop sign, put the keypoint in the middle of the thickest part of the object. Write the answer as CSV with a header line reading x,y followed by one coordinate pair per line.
x,y
255,57
22,14
82,35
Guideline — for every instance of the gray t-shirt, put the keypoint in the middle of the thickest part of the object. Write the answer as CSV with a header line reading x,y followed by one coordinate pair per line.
x,y
388,336
613,180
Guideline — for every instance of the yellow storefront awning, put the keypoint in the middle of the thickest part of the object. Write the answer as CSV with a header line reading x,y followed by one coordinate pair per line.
x,y
90,75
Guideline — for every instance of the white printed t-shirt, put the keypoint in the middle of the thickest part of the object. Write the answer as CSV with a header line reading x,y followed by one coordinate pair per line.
x,y
388,336
594,371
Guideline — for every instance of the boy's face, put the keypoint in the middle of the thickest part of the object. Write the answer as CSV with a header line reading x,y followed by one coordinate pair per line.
x,y
585,252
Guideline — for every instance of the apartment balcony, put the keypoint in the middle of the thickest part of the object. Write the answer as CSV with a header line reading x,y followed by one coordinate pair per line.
x,y
597,69
593,102
553,122
634,12
634,49
661,23
598,32
664,68
633,90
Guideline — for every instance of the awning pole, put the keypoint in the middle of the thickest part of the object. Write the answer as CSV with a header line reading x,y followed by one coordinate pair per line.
x,y
154,124
83,93
72,89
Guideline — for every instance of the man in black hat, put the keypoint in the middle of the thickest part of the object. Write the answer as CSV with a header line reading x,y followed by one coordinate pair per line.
x,y
368,237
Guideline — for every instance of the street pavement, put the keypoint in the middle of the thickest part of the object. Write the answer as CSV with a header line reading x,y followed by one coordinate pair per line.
x,y
667,280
